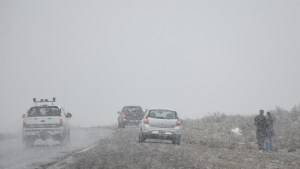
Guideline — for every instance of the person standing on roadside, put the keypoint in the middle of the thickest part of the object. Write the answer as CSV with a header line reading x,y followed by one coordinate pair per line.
x,y
260,123
269,133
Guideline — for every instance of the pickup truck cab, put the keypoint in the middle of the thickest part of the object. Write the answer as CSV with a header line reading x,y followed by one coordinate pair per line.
x,y
45,122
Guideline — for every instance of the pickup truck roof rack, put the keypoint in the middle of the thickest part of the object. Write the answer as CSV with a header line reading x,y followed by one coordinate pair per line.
x,y
44,101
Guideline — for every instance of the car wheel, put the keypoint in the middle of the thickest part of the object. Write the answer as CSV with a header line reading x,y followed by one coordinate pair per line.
x,y
176,141
141,138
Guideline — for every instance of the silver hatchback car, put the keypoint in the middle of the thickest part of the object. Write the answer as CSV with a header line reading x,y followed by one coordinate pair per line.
x,y
160,124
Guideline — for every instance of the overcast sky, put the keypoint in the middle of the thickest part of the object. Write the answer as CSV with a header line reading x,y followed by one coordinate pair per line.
x,y
197,57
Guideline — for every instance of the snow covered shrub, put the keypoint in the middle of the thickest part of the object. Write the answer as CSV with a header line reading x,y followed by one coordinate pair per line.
x,y
217,130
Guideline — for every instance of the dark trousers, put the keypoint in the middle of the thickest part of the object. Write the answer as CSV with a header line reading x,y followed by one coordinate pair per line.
x,y
260,141
260,136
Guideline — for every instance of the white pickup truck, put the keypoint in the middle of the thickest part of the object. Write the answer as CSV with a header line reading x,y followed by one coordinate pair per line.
x,y
45,122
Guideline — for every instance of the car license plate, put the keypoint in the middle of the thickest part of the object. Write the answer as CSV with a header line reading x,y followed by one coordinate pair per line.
x,y
156,132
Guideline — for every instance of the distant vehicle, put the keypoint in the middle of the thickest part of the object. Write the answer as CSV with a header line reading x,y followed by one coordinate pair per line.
x,y
160,124
45,121
130,115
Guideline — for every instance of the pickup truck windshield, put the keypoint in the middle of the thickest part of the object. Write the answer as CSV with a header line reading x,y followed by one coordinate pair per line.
x,y
44,111
163,114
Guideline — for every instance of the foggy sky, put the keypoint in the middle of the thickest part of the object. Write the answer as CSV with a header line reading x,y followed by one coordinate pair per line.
x,y
197,57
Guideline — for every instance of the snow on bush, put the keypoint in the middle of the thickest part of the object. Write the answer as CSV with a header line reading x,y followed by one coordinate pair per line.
x,y
236,131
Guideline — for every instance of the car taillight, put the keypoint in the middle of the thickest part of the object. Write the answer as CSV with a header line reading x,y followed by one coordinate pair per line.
x,y
24,122
146,120
124,116
61,121
178,122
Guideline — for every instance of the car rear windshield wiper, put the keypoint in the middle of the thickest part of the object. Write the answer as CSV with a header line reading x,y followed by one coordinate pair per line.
x,y
159,117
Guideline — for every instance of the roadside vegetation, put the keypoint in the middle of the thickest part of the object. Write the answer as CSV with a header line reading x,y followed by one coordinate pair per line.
x,y
238,132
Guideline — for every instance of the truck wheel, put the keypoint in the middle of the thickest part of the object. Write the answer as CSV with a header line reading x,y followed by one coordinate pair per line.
x,y
65,139
27,141
68,138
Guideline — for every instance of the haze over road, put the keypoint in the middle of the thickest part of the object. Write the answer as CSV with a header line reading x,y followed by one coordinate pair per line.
x,y
14,156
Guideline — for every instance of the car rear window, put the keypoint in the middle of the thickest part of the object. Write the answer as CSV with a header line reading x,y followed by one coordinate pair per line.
x,y
163,114
132,109
44,111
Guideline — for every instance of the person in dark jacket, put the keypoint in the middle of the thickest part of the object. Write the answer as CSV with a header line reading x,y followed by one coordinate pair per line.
x,y
260,123
269,133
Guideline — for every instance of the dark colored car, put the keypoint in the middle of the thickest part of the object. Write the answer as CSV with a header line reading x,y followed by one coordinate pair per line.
x,y
130,115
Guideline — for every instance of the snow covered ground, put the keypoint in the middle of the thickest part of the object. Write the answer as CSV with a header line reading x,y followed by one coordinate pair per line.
x,y
217,141
123,151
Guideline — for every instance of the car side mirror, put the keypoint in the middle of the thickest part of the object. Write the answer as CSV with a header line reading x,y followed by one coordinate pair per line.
x,y
69,115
